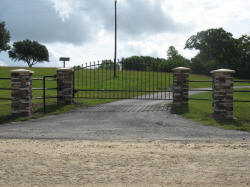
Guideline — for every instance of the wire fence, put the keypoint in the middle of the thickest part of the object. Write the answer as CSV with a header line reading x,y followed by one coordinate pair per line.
x,y
5,96
242,92
200,90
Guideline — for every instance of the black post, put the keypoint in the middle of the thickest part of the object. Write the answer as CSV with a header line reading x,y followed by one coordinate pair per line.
x,y
73,83
44,95
115,38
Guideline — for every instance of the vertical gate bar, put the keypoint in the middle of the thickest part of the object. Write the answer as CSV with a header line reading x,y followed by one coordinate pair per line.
x,y
98,79
137,83
86,80
133,74
131,78
44,95
145,82
90,80
165,75
82,82
169,79
127,82
102,80
157,84
145,73
122,95
94,83
78,77
74,83
110,77
161,83
153,83
106,74
142,93
118,78
149,84
114,79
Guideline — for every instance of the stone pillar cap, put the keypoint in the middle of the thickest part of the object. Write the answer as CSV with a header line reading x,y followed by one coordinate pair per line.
x,y
223,71
181,69
22,71
64,69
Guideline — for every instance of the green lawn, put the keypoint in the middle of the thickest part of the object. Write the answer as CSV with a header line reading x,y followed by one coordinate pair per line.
x,y
201,111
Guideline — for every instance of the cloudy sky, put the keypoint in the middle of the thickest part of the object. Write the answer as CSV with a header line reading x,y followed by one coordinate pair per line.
x,y
84,29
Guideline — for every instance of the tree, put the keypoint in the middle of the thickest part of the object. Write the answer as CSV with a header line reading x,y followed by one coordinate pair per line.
x,y
174,59
244,60
4,38
29,51
108,65
218,49
172,52
215,45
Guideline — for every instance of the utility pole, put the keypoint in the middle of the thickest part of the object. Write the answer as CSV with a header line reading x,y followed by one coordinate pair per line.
x,y
115,56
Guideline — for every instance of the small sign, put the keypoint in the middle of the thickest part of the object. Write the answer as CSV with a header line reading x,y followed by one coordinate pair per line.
x,y
64,59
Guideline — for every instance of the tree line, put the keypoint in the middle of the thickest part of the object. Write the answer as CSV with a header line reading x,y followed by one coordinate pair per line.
x,y
217,49
147,63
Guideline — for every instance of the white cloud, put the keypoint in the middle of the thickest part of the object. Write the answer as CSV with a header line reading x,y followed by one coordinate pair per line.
x,y
65,8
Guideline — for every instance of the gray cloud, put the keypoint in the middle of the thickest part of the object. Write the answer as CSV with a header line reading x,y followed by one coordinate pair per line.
x,y
144,17
135,17
38,20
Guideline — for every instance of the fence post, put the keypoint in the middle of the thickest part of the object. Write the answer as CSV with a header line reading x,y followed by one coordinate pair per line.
x,y
223,94
180,87
64,86
21,82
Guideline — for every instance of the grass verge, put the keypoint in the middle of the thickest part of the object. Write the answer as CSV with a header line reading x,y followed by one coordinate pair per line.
x,y
201,111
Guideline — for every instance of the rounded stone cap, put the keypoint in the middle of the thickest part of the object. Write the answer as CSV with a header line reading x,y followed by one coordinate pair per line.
x,y
23,71
64,69
181,69
223,71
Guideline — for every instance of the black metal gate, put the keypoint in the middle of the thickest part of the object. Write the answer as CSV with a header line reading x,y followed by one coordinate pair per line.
x,y
144,81
48,91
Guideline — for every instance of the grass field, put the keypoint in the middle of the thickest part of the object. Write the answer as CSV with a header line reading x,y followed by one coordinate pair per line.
x,y
126,80
201,111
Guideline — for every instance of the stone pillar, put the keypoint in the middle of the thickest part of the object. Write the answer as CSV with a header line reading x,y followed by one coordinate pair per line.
x,y
21,81
223,94
180,86
64,86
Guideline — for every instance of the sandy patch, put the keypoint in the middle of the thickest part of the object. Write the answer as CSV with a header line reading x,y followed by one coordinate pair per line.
x,y
130,163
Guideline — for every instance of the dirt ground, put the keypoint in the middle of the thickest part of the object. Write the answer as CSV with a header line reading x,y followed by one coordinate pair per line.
x,y
123,163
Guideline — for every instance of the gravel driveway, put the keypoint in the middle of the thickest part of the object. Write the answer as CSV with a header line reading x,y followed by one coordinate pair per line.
x,y
121,120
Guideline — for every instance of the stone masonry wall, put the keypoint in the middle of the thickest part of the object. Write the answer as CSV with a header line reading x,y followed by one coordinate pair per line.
x,y
65,86
180,86
21,92
223,94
